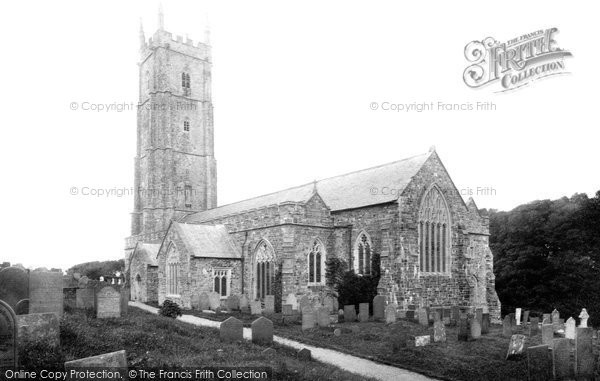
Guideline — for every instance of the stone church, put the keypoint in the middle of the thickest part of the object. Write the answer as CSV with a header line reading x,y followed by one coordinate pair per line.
x,y
432,245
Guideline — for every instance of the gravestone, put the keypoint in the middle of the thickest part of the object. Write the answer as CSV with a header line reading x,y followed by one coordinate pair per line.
x,y
69,297
84,298
518,316
83,281
124,301
323,317
570,329
9,337
349,313
106,360
583,316
214,300
363,312
561,359
14,285
303,302
308,318
421,341
515,347
547,334
525,316
45,292
436,316
475,327
463,328
455,314
22,307
262,331
36,328
390,314
585,362
203,301
423,318
304,353
270,304
410,314
255,307
547,319
561,325
328,303
513,322
439,332
534,326
555,322
479,315
195,299
291,299
379,307
244,303
231,330
287,310
539,363
336,304
506,327
337,332
108,303
485,323
233,303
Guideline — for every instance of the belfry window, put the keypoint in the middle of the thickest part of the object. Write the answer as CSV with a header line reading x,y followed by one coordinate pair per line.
x,y
187,191
434,232
362,254
185,83
316,264
186,125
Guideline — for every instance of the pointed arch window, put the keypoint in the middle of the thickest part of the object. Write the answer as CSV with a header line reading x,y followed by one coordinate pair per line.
x,y
172,271
316,263
222,281
185,83
363,254
264,269
434,233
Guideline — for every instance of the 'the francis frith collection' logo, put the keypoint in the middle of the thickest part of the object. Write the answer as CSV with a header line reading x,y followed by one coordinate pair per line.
x,y
515,63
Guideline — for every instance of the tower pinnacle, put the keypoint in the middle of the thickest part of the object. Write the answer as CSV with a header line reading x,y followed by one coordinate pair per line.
x,y
161,17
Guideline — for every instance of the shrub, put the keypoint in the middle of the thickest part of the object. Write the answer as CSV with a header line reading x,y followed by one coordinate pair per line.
x,y
40,355
170,309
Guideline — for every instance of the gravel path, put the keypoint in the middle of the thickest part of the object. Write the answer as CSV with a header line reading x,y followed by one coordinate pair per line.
x,y
349,363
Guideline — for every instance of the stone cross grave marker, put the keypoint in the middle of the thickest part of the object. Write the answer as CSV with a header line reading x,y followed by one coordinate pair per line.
x,y
270,304
585,362
379,307
561,359
363,312
45,292
14,285
518,316
308,318
323,317
570,328
584,318
350,313
255,307
84,298
515,347
439,332
8,337
390,314
231,330
539,363
262,331
108,303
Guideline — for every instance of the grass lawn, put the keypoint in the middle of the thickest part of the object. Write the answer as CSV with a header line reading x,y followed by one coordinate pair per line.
x,y
483,359
153,341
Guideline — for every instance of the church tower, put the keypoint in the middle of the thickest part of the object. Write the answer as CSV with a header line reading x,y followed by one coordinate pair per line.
x,y
175,166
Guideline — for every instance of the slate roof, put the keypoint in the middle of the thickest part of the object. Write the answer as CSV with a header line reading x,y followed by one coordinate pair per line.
x,y
348,191
147,252
207,241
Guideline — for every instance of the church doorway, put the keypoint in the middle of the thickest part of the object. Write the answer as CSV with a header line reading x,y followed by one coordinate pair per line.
x,y
264,270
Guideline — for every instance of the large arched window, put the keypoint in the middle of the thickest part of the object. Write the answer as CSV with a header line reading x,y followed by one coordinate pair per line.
x,y
434,233
363,252
172,271
316,263
264,269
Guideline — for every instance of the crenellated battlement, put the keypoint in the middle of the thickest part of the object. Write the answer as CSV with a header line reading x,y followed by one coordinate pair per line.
x,y
176,43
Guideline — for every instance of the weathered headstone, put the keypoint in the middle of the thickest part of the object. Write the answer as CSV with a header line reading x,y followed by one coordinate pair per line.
x,y
570,329
262,331
475,327
421,341
539,363
231,330
106,360
269,304
328,303
244,303
308,318
255,307
525,316
555,322
203,301
515,347
410,314
303,302
45,292
8,337
390,314
513,321
108,303
233,303
287,310
22,307
485,323
304,353
125,292
214,300
463,328
349,313
379,307
323,317
69,297
37,328
518,316
547,334
585,362
455,314
14,285
84,298
506,327
439,332
561,359
291,299
534,326
423,318
547,319
363,312
583,316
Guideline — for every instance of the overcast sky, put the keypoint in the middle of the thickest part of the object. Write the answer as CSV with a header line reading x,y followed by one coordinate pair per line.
x,y
292,87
